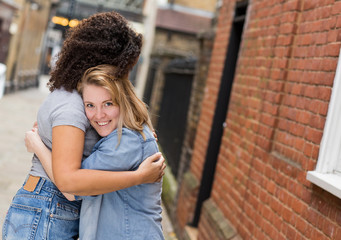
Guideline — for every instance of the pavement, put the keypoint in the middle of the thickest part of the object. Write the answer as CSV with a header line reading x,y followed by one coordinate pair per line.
x,y
17,113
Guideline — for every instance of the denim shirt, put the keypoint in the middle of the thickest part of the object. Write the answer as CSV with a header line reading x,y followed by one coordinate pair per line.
x,y
130,214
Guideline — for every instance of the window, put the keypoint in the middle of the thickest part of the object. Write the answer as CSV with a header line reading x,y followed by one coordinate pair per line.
x,y
327,174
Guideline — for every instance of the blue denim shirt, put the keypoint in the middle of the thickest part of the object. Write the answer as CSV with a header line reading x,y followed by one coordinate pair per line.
x,y
129,214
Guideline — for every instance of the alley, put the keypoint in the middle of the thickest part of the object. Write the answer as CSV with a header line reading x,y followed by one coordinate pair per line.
x,y
18,112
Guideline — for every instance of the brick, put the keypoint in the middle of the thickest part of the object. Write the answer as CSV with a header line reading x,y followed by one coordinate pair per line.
x,y
304,117
270,230
287,28
338,234
329,229
313,135
316,121
316,3
302,225
308,148
329,65
312,216
317,235
291,233
333,36
298,206
332,50
321,38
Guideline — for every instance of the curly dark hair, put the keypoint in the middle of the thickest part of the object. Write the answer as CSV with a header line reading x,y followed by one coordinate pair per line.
x,y
103,38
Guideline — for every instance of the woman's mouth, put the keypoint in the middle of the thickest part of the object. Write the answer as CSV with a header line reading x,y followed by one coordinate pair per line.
x,y
103,123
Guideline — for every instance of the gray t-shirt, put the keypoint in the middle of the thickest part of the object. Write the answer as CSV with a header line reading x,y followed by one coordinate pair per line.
x,y
62,108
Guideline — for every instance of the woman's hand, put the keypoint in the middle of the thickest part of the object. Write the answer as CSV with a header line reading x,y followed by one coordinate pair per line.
x,y
33,141
155,135
152,169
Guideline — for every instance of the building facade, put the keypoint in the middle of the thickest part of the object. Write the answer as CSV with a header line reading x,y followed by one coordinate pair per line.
x,y
260,167
28,27
176,49
7,11
32,32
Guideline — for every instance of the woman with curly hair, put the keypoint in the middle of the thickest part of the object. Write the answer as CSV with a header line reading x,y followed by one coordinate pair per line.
x,y
123,122
39,210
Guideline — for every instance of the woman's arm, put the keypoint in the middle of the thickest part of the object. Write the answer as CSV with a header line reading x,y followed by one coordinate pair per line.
x,y
67,145
35,145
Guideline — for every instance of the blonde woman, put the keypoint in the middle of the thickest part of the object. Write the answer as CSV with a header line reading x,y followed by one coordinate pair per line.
x,y
123,122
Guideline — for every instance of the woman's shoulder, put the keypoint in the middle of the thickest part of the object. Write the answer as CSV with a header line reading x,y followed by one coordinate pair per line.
x,y
64,108
130,136
62,99
129,133
129,140
146,131
63,94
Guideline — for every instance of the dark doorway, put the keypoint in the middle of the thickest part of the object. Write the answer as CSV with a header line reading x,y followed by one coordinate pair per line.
x,y
221,108
173,109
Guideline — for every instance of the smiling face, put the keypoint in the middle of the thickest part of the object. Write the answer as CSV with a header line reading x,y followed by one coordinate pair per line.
x,y
100,109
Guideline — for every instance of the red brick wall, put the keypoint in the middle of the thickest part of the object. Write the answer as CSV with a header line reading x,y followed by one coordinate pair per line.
x,y
275,121
212,87
187,196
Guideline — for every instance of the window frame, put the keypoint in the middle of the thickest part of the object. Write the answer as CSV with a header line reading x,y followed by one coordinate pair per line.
x,y
329,158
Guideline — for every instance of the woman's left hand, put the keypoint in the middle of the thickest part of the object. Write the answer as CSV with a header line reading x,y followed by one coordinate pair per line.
x,y
152,168
32,140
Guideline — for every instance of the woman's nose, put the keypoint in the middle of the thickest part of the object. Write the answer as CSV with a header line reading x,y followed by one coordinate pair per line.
x,y
99,113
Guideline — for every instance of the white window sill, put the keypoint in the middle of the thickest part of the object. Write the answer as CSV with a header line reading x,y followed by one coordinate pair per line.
x,y
328,181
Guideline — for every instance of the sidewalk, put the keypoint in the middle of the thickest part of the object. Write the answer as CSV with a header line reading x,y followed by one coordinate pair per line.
x,y
17,113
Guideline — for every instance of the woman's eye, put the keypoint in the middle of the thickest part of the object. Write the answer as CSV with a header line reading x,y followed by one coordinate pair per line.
x,y
89,105
107,104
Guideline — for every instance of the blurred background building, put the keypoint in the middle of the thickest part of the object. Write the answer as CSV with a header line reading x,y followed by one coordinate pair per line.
x,y
23,37
32,32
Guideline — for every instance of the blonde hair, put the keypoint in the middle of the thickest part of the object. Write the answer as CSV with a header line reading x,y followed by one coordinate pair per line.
x,y
133,112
